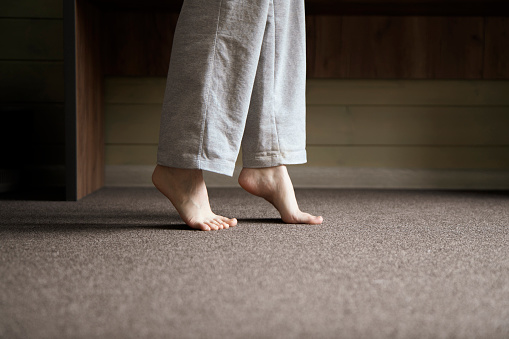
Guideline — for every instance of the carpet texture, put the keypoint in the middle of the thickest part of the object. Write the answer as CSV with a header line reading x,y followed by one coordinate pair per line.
x,y
385,264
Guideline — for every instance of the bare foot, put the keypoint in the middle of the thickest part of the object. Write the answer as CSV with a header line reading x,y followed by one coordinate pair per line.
x,y
274,185
186,190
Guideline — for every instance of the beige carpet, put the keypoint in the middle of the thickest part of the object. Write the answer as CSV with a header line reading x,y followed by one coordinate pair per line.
x,y
385,264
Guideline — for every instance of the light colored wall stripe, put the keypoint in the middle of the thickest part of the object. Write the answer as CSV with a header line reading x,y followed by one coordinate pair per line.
x,y
150,90
349,125
134,90
426,157
445,125
338,177
407,92
408,125
132,123
415,157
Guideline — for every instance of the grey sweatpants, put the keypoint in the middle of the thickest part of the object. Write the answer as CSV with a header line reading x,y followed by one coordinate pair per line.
x,y
237,77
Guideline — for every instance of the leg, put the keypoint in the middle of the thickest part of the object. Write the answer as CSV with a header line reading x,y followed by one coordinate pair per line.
x,y
212,69
211,73
275,132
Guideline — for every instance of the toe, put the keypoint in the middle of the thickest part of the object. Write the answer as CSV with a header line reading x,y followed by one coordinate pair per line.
x,y
311,219
225,225
212,225
218,223
202,226
230,222
315,220
197,224
303,218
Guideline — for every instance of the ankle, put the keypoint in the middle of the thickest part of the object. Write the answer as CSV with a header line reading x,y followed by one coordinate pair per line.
x,y
176,171
265,171
173,175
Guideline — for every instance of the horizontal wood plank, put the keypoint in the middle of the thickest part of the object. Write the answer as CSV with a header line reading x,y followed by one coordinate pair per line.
x,y
344,125
429,157
410,125
134,124
130,154
31,81
134,90
150,90
29,39
404,124
424,157
31,8
137,43
338,46
407,92
337,177
392,47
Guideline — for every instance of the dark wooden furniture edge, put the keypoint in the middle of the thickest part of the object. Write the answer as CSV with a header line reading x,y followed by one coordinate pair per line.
x,y
83,99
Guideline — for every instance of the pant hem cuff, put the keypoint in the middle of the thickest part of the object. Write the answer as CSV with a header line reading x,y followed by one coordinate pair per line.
x,y
216,166
271,159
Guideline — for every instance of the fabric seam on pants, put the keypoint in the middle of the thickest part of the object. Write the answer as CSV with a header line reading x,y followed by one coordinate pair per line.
x,y
202,133
274,78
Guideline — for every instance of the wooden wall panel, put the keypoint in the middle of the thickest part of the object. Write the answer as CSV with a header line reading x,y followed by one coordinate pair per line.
x,y
391,47
134,90
137,43
348,125
28,39
89,99
324,46
409,92
407,125
347,47
131,154
496,51
150,90
134,124
414,157
358,123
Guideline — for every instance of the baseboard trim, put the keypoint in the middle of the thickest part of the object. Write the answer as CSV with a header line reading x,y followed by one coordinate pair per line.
x,y
339,177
